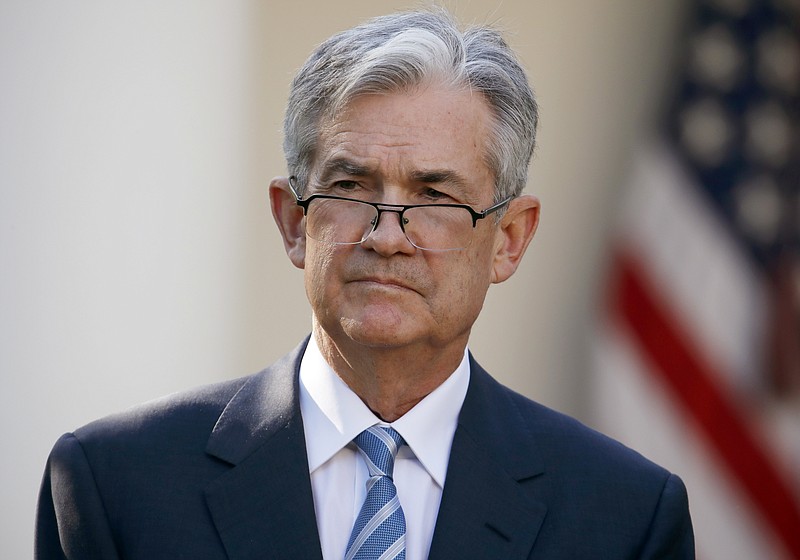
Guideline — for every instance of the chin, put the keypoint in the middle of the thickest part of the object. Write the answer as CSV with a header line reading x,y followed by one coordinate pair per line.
x,y
379,330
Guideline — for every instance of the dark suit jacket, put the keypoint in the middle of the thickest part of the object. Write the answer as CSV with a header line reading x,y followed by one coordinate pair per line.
x,y
221,472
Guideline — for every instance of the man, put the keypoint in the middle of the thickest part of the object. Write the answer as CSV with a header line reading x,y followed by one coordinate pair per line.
x,y
407,143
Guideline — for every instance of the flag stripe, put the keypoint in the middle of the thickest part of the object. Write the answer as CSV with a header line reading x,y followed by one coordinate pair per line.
x,y
694,383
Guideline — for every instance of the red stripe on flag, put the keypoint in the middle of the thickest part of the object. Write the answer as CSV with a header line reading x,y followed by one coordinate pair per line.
x,y
696,387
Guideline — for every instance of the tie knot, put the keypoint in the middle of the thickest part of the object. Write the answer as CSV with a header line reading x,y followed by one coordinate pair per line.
x,y
379,446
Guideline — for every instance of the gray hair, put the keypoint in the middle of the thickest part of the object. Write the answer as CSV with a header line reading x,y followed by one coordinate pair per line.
x,y
399,52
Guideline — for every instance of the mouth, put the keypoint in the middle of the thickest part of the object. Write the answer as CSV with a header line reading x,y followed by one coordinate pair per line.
x,y
386,283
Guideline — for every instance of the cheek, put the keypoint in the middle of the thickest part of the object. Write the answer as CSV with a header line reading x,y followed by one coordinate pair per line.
x,y
319,272
463,286
478,263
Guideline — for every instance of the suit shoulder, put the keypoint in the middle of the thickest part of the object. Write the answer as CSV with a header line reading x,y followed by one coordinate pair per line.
x,y
160,419
574,441
561,439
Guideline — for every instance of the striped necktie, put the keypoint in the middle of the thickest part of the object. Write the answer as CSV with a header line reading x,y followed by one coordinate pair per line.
x,y
379,532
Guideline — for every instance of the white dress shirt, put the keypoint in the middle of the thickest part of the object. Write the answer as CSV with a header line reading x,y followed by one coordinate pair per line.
x,y
333,415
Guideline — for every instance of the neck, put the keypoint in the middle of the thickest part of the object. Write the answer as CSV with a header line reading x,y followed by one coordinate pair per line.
x,y
390,381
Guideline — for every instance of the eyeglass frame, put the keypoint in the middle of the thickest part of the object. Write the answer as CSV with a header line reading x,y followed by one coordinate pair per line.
x,y
398,209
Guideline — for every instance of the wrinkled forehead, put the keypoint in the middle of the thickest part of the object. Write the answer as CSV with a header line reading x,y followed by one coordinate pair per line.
x,y
438,126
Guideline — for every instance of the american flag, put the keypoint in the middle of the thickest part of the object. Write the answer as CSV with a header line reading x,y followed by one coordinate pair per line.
x,y
698,351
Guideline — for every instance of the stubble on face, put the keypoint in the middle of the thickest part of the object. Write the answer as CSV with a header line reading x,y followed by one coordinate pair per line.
x,y
387,299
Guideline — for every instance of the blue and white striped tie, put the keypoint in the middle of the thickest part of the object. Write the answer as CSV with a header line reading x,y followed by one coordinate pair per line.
x,y
379,532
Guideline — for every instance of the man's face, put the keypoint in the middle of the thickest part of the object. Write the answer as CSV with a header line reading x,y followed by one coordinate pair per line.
x,y
403,148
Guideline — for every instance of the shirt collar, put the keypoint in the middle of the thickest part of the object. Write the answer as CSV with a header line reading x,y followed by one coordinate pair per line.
x,y
333,415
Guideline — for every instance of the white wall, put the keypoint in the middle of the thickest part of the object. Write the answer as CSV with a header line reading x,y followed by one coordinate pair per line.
x,y
137,251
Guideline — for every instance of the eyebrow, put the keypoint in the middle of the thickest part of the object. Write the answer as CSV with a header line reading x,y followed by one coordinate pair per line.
x,y
342,165
427,176
439,176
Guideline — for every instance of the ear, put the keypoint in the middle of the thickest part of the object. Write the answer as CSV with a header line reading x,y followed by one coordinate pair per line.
x,y
516,231
289,218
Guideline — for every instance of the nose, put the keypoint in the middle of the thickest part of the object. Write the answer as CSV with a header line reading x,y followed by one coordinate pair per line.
x,y
387,236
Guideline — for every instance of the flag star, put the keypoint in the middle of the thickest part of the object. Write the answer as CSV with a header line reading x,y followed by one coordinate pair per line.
x,y
706,131
768,134
758,208
734,8
717,58
778,60
792,6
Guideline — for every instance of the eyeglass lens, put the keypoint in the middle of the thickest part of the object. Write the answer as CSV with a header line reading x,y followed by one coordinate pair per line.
x,y
350,222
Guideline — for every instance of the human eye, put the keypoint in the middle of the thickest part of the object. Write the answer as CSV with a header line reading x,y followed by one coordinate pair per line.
x,y
433,195
346,186
341,187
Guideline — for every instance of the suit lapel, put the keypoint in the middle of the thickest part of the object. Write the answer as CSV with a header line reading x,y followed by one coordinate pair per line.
x,y
485,510
263,506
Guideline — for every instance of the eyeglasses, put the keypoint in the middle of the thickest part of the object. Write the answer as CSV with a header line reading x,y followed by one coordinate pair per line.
x,y
431,227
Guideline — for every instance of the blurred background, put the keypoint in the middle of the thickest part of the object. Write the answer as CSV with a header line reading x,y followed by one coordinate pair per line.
x,y
657,303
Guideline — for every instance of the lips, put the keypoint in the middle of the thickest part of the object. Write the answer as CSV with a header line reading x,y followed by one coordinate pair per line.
x,y
387,282
387,275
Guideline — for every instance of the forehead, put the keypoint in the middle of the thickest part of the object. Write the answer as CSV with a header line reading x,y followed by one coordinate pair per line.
x,y
405,132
